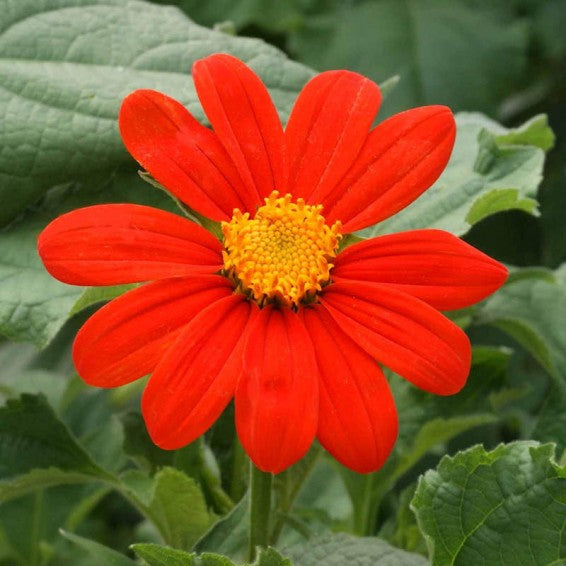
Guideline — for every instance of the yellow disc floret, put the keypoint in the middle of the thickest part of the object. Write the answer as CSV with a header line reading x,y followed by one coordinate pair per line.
x,y
282,254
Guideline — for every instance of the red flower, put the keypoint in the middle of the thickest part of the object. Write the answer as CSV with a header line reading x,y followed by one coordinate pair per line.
x,y
272,315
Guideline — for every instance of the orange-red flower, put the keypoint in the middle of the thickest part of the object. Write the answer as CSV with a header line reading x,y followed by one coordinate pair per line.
x,y
274,314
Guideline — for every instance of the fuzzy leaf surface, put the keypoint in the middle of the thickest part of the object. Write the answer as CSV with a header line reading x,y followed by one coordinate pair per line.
x,y
339,549
175,502
66,65
503,507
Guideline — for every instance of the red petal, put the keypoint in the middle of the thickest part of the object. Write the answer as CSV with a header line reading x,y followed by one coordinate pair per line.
x,y
432,265
196,379
403,333
110,244
277,395
327,127
401,158
245,120
125,339
357,418
183,155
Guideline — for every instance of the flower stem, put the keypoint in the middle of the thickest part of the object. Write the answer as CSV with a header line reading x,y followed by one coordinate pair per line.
x,y
260,509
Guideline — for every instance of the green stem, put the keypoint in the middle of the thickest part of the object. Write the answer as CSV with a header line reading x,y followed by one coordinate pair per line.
x,y
36,527
366,507
238,481
260,509
363,515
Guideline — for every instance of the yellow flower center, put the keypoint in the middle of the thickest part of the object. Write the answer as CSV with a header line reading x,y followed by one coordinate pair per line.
x,y
282,254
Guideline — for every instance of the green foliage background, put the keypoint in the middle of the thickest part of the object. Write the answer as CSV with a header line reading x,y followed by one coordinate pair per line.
x,y
476,478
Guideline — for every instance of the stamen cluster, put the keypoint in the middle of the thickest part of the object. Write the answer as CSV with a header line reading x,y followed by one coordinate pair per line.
x,y
282,254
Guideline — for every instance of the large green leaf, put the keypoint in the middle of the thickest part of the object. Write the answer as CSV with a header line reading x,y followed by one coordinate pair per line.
x,y
65,66
466,56
533,311
503,507
491,169
340,549
33,305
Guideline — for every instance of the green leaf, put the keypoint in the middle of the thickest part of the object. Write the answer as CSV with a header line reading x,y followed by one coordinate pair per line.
x,y
93,295
324,497
156,555
61,83
443,51
501,507
179,504
40,479
270,557
491,169
423,428
437,431
48,383
138,444
197,461
405,532
272,16
33,305
542,273
389,85
288,484
213,559
37,450
499,200
340,549
30,525
32,436
551,422
534,132
229,535
522,309
175,504
428,423
102,553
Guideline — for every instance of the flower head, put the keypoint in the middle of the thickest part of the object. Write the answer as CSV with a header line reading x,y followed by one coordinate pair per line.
x,y
274,315
283,253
